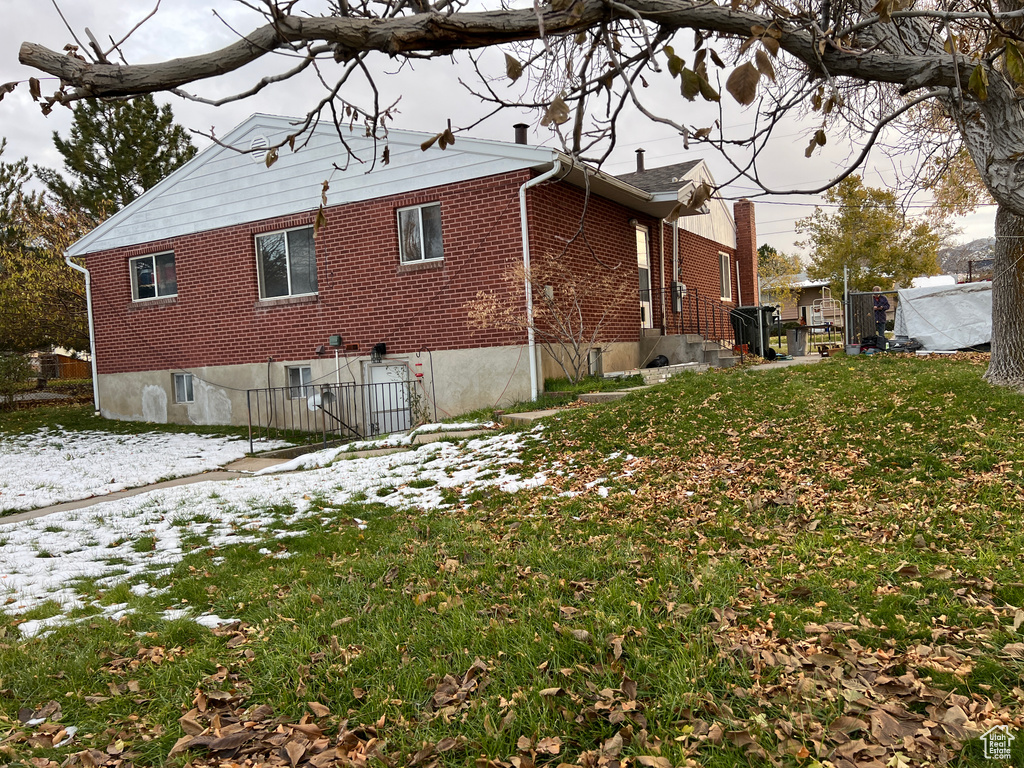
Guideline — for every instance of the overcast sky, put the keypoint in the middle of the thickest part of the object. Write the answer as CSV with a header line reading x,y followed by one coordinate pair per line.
x,y
430,94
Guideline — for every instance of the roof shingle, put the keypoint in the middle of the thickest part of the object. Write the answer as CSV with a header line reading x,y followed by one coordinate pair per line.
x,y
669,178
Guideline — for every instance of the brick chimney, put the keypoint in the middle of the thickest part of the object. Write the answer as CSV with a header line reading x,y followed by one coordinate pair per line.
x,y
746,250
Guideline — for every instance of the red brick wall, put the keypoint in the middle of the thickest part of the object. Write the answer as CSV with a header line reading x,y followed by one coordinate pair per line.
x,y
700,271
601,241
364,293
746,249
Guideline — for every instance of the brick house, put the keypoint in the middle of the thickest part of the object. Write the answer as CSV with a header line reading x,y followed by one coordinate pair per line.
x,y
212,285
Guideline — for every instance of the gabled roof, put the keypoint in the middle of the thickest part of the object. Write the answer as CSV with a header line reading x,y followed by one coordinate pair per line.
x,y
676,181
668,178
222,186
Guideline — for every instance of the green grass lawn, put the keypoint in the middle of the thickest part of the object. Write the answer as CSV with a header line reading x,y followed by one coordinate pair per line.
x,y
79,418
800,567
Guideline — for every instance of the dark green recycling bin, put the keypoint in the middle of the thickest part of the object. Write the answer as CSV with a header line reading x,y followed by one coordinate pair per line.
x,y
747,331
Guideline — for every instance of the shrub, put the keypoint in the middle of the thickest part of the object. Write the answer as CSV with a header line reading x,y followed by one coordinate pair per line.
x,y
14,370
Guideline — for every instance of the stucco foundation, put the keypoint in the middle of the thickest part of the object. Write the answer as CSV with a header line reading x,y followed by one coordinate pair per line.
x,y
615,356
455,381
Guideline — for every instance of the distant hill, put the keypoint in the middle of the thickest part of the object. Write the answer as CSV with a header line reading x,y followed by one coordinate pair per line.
x,y
974,258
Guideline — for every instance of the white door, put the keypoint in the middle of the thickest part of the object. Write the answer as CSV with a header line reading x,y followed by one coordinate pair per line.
x,y
643,261
387,399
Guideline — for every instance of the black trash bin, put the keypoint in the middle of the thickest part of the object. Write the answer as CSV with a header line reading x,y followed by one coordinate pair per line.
x,y
749,331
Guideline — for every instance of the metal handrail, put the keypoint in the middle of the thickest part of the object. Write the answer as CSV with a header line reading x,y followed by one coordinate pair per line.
x,y
707,317
329,412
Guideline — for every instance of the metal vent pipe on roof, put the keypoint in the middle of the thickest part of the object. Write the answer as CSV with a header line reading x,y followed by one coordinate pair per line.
x,y
521,129
639,161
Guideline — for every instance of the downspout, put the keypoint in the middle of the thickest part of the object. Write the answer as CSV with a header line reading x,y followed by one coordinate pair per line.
x,y
531,340
661,273
92,331
675,251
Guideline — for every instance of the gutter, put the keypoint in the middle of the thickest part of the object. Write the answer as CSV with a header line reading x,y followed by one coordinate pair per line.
x,y
607,178
92,330
530,335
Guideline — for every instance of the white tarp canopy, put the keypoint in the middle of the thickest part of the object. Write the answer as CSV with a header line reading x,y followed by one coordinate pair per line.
x,y
946,316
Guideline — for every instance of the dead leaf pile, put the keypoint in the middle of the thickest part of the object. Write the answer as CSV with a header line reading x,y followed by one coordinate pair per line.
x,y
47,731
890,714
452,694
220,731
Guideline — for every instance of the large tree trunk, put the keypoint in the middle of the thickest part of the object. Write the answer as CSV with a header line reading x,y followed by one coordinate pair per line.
x,y
1007,366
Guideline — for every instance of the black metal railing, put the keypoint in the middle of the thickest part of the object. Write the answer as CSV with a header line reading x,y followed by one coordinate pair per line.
x,y
690,312
329,412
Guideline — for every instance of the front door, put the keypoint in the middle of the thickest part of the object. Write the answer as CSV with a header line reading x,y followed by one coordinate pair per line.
x,y
643,261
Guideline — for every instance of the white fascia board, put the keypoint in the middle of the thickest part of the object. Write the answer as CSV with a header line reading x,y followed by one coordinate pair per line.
x,y
82,246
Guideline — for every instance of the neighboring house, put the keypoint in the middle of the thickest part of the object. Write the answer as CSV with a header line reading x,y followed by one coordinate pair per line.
x,y
212,284
810,294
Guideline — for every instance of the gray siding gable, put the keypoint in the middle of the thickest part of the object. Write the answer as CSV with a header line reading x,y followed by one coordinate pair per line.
x,y
718,224
221,187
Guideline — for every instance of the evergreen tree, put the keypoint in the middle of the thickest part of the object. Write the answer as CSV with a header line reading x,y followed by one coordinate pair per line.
x,y
13,197
117,149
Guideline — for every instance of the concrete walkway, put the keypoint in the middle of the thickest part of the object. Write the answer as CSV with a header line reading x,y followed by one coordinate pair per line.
x,y
233,471
607,397
809,359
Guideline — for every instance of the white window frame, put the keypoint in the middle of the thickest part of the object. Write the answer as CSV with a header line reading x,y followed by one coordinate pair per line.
x,y
302,387
288,264
725,275
421,257
183,388
134,276
643,261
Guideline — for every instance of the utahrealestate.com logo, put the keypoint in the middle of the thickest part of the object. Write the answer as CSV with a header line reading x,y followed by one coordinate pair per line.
x,y
998,742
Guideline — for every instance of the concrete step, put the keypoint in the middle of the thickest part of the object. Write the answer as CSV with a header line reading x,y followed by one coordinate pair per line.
x,y
607,397
528,417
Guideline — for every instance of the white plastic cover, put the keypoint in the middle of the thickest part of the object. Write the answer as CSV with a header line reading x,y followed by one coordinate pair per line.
x,y
946,316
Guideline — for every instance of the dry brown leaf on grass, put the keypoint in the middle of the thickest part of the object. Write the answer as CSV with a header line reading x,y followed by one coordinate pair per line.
x,y
550,746
318,709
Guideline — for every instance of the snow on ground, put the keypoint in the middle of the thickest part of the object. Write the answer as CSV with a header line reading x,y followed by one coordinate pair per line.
x,y
48,558
51,466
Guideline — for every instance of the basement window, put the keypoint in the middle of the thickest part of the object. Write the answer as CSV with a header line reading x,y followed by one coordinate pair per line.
x,y
183,388
300,378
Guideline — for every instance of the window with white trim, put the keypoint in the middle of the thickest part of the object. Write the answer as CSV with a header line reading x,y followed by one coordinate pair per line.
x,y
419,233
643,260
286,262
153,276
726,276
300,377
183,388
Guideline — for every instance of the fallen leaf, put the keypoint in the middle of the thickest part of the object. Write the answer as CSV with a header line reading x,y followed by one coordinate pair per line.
x,y
318,709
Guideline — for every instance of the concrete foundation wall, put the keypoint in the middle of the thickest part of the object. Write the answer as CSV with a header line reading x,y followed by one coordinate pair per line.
x,y
615,356
677,348
462,380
